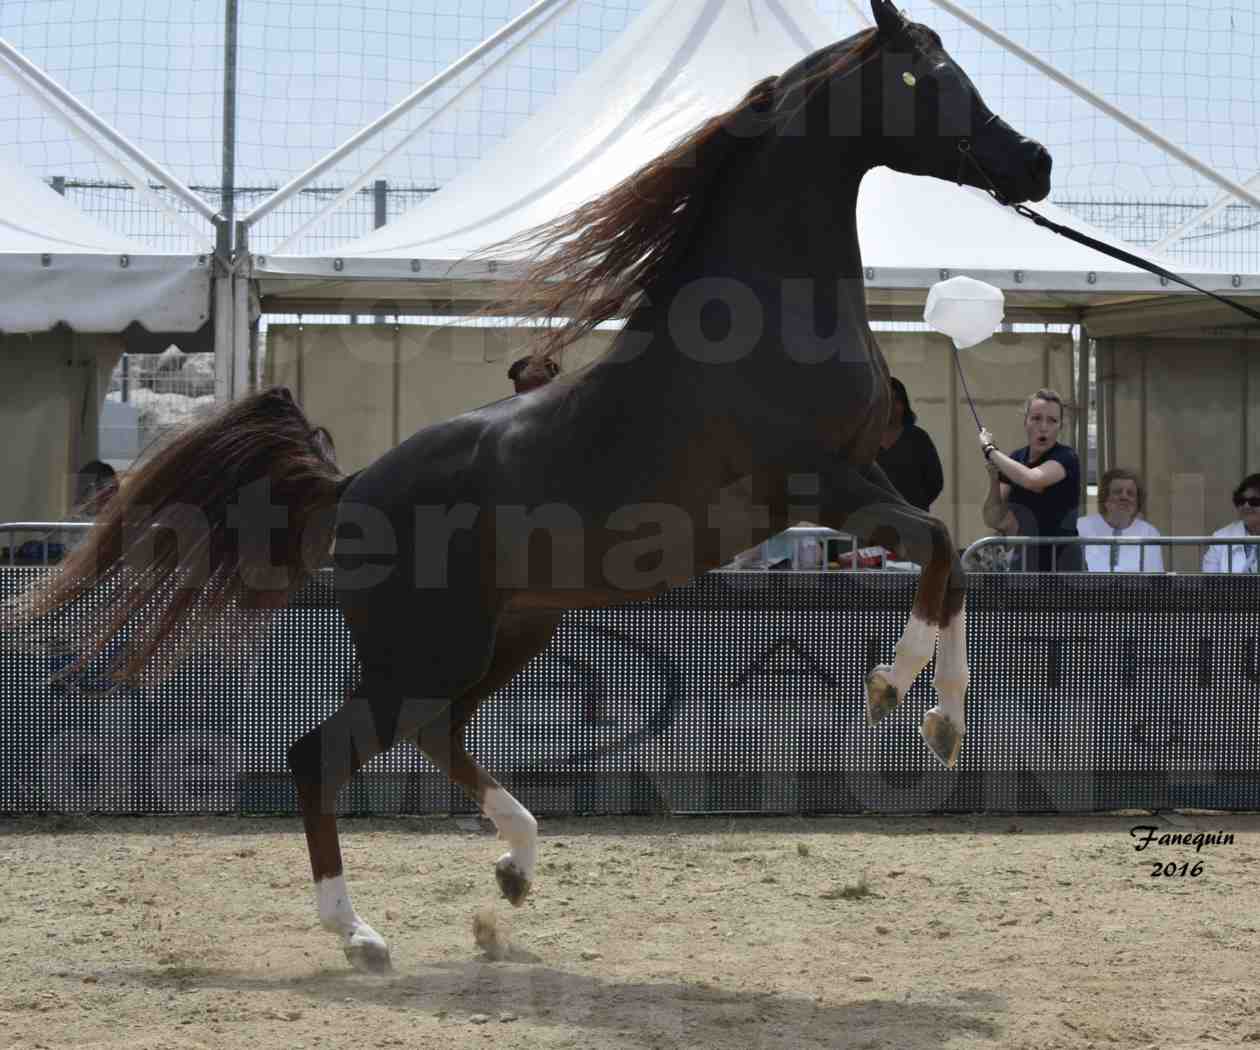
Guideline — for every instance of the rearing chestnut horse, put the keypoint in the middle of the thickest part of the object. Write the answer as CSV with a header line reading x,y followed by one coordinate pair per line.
x,y
745,393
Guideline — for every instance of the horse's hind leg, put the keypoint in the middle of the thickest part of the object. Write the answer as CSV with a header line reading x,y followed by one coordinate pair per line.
x,y
865,503
322,761
520,636
941,602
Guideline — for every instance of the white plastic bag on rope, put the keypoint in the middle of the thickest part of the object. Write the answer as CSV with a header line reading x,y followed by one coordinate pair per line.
x,y
966,310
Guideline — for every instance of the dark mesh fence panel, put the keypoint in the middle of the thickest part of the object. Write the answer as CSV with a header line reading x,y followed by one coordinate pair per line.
x,y
737,693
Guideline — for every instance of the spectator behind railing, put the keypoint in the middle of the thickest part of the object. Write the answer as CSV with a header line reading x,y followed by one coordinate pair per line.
x,y
1242,557
95,482
1035,491
527,374
906,452
1121,500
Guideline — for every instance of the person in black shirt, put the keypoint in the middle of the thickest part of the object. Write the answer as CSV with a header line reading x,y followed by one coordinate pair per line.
x,y
1035,491
906,452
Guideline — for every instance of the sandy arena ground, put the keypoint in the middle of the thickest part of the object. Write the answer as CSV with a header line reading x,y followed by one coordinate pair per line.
x,y
1012,932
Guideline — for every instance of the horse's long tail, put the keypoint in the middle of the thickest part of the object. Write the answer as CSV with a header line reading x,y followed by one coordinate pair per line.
x,y
214,531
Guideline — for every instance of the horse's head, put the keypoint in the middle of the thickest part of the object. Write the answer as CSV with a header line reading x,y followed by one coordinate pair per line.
x,y
934,122
914,110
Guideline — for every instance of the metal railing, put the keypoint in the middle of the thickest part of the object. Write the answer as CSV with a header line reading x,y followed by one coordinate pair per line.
x,y
803,538
970,555
808,548
41,549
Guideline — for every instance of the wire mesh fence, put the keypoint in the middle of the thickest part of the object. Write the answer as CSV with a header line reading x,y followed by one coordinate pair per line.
x,y
1228,241
311,73
150,398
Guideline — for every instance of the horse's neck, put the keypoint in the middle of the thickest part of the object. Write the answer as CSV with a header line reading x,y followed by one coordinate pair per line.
x,y
794,372
784,213
780,228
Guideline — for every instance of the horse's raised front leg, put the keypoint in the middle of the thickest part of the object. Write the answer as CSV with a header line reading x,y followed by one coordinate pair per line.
x,y
520,636
322,762
866,504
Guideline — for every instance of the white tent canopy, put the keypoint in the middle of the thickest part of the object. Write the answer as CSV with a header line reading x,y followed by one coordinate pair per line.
x,y
679,63
675,66
58,266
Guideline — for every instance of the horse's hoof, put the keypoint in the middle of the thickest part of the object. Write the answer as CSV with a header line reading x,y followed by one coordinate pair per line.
x,y
942,736
369,956
512,881
881,695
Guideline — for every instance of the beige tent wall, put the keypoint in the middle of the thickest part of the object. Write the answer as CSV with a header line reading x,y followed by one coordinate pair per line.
x,y
373,386
1184,413
1001,372
51,388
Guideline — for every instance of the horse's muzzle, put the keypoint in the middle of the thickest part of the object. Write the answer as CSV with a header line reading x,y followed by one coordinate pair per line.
x,y
1038,164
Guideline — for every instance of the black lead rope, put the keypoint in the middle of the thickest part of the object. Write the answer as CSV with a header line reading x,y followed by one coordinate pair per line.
x,y
1129,257
971,404
967,157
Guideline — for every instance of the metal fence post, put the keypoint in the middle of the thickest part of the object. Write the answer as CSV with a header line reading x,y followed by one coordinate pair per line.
x,y
379,217
228,184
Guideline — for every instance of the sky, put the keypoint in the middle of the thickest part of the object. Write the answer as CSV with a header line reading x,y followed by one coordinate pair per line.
x,y
312,72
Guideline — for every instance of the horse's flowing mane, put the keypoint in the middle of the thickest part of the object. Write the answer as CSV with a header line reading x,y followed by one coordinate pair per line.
x,y
600,260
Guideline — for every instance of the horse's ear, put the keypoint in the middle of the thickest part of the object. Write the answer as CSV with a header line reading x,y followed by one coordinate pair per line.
x,y
887,18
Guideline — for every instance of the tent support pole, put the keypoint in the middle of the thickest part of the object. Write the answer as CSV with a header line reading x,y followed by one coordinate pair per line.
x,y
1082,411
1199,218
227,187
136,181
362,180
242,381
224,308
398,111
48,89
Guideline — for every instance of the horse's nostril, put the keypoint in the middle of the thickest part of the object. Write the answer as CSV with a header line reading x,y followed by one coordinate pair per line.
x,y
1041,162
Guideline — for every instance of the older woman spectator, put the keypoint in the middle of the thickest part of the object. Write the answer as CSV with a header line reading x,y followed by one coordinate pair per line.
x,y
1238,557
1121,500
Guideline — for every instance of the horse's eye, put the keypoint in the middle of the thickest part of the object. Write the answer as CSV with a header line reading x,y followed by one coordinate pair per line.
x,y
908,79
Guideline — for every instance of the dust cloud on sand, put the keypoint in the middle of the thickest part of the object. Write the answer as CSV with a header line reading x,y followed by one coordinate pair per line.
x,y
1020,933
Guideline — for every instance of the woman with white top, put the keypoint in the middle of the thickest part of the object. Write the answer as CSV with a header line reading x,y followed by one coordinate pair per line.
x,y
1121,500
1238,557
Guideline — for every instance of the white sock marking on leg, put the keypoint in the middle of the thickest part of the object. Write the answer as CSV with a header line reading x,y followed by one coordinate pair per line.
x,y
914,650
516,826
337,914
952,674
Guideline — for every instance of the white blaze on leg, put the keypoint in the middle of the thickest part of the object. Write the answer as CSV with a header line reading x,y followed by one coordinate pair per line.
x,y
516,826
952,674
337,915
914,650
